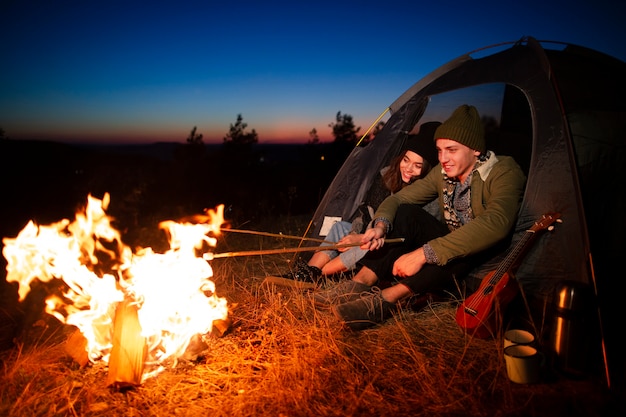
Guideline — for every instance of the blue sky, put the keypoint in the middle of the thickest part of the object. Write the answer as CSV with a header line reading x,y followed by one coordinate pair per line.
x,y
138,71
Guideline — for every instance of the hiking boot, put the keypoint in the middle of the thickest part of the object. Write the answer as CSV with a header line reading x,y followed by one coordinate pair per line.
x,y
341,293
421,301
368,310
303,272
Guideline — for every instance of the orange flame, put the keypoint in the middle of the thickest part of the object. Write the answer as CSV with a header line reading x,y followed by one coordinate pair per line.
x,y
175,297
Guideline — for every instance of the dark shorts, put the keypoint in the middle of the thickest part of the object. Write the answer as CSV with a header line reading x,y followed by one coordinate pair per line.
x,y
417,227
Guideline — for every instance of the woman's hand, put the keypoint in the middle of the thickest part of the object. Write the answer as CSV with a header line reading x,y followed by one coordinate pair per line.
x,y
351,239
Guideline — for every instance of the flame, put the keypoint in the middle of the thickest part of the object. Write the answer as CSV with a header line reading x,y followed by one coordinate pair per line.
x,y
175,297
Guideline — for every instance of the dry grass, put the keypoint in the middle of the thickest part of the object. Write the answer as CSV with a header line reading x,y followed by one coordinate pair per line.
x,y
283,357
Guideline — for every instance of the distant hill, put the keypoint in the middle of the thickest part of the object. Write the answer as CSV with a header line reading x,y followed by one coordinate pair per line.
x,y
47,181
167,150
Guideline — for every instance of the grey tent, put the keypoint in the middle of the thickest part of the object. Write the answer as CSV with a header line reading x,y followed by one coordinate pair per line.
x,y
560,110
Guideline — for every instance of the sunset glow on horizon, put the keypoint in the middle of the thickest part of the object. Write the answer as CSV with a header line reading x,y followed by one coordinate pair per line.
x,y
150,72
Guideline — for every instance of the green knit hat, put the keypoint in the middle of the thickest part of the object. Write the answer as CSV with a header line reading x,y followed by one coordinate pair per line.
x,y
465,127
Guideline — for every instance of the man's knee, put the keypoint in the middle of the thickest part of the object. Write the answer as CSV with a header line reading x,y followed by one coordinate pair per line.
x,y
366,276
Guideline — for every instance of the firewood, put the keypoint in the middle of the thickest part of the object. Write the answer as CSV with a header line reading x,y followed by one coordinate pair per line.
x,y
196,348
220,327
76,347
128,354
286,282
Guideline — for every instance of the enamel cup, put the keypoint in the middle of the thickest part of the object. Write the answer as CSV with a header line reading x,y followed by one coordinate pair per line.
x,y
523,364
518,337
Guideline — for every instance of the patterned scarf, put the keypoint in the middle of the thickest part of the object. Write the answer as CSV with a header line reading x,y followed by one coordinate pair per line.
x,y
457,198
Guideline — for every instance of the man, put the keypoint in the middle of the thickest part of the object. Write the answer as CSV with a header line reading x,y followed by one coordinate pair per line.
x,y
479,195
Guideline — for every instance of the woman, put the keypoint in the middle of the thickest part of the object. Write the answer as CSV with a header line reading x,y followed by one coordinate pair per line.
x,y
416,160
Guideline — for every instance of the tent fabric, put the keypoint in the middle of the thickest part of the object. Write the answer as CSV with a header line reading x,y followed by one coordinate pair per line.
x,y
562,117
356,175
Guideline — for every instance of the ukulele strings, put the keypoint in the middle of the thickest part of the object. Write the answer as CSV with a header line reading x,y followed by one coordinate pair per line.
x,y
500,271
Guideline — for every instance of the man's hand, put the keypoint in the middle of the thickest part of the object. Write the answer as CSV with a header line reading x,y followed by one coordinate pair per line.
x,y
409,264
373,238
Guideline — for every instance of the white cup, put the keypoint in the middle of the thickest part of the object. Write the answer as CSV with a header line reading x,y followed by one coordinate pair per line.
x,y
523,363
518,337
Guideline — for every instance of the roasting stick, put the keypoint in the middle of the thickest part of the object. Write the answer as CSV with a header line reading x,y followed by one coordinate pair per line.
x,y
211,256
280,235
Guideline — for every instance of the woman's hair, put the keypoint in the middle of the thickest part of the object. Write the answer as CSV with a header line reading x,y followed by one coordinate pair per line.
x,y
393,179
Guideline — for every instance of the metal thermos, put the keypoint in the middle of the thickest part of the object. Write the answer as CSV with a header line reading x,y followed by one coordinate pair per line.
x,y
572,328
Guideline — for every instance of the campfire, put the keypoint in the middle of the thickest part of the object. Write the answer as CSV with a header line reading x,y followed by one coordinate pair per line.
x,y
135,310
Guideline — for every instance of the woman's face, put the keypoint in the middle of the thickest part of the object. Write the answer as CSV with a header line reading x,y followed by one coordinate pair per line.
x,y
411,166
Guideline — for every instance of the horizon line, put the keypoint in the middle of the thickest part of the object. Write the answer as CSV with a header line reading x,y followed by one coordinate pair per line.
x,y
87,142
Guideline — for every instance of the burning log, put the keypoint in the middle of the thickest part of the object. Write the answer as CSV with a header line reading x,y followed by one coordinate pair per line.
x,y
198,346
220,327
76,347
128,355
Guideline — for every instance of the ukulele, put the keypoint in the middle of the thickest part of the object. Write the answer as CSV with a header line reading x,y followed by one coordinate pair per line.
x,y
498,288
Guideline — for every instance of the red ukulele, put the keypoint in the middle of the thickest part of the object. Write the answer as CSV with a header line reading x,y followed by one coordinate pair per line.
x,y
498,288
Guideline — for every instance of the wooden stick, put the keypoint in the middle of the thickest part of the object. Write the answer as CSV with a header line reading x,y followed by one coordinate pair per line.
x,y
286,282
279,235
210,256
201,218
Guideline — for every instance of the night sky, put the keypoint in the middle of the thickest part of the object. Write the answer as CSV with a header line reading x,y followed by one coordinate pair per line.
x,y
139,71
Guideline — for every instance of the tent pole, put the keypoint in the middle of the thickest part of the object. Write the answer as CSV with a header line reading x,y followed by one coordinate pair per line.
x,y
372,126
604,354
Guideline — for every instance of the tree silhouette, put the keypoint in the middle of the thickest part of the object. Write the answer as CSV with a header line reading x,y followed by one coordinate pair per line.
x,y
314,138
344,130
2,134
195,138
238,136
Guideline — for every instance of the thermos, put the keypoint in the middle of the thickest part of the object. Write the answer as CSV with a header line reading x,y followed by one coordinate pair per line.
x,y
573,329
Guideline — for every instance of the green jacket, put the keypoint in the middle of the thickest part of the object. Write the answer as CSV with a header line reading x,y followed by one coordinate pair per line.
x,y
496,192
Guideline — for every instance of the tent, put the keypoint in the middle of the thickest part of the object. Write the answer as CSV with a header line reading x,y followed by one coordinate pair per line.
x,y
559,109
